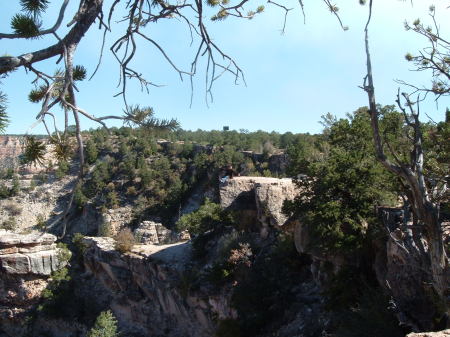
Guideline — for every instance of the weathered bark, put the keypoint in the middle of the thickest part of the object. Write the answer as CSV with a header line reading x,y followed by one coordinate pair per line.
x,y
426,211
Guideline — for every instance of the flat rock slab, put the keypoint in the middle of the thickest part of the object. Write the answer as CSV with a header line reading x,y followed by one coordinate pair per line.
x,y
9,239
172,254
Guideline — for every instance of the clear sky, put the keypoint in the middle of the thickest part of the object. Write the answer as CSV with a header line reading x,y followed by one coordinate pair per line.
x,y
292,79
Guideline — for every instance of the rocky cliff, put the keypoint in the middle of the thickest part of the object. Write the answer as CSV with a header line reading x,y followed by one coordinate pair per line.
x,y
26,262
146,285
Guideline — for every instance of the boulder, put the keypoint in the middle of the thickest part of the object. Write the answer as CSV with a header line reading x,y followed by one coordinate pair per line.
x,y
150,232
259,198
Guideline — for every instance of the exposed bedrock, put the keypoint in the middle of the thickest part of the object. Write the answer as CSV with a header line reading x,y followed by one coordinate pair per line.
x,y
147,289
258,198
26,261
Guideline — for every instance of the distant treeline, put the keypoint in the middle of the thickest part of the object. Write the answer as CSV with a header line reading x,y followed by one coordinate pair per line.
x,y
242,139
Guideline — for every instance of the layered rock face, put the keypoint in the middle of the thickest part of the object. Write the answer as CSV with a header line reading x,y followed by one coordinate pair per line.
x,y
259,198
150,232
26,261
148,291
28,254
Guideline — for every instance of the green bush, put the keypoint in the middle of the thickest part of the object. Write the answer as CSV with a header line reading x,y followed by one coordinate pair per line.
x,y
112,199
41,223
57,294
62,170
64,254
105,326
336,203
4,191
9,224
91,152
79,198
33,185
15,189
80,246
209,216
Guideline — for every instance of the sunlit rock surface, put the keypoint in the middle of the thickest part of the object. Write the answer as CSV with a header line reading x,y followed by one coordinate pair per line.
x,y
33,253
149,289
260,198
26,261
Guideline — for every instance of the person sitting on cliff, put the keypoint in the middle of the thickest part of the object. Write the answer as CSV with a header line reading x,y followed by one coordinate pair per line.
x,y
229,174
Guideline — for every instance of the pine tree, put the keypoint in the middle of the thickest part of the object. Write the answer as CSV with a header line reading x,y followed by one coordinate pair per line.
x,y
105,326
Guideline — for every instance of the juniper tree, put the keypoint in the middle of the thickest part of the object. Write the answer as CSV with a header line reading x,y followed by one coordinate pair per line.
x,y
424,194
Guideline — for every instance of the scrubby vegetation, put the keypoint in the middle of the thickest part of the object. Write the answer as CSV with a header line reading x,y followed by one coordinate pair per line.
x,y
341,185
125,240
135,167
208,217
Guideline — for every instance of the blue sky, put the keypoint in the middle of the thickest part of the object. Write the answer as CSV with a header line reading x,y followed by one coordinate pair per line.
x,y
292,79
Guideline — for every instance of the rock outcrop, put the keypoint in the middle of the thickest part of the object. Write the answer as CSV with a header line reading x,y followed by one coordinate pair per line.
x,y
117,218
26,261
444,333
259,198
149,290
150,232
28,254
278,163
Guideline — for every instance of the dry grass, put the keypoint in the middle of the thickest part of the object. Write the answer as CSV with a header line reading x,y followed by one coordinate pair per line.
x,y
125,240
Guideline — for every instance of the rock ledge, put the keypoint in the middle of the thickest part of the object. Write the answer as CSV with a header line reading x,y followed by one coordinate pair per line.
x,y
34,253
